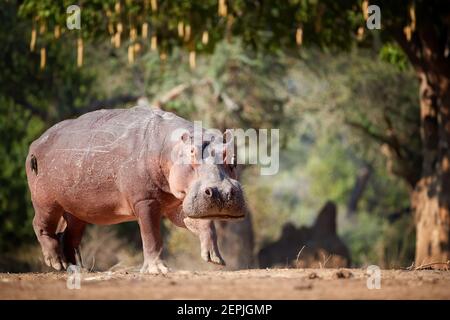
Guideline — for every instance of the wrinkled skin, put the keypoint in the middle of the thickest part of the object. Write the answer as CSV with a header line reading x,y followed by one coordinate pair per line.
x,y
112,166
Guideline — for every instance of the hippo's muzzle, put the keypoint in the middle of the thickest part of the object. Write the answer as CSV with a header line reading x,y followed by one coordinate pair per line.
x,y
221,201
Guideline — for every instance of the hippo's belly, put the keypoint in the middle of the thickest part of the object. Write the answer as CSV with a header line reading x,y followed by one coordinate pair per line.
x,y
101,208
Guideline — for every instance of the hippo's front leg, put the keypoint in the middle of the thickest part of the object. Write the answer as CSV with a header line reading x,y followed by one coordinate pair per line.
x,y
149,218
206,232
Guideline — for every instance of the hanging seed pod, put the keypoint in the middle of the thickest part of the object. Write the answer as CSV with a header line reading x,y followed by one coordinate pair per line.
x,y
192,59
412,15
133,34
43,58
117,7
130,54
299,36
110,28
360,33
79,52
57,32
33,39
119,27
42,27
163,56
144,31
180,29
154,5
137,47
222,10
117,40
408,32
205,37
365,9
154,43
187,32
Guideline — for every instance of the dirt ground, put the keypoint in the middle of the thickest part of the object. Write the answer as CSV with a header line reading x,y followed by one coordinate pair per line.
x,y
246,284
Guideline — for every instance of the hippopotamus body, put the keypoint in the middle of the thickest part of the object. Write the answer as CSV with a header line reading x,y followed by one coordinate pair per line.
x,y
112,166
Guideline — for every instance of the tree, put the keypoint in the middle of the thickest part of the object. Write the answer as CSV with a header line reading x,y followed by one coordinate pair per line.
x,y
428,52
420,27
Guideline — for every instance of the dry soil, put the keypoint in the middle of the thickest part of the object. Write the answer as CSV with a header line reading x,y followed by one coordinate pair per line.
x,y
246,284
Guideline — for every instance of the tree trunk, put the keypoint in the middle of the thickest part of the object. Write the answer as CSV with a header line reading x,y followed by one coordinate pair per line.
x,y
430,199
428,52
362,179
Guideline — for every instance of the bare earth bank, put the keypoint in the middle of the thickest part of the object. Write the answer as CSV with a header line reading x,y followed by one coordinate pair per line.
x,y
245,284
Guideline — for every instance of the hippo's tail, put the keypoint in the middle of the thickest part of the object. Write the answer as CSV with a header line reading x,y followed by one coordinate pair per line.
x,y
34,164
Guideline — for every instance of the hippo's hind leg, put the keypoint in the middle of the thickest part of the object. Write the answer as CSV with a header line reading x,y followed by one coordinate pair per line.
x,y
71,239
45,224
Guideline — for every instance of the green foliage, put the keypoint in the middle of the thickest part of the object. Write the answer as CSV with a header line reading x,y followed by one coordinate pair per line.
x,y
374,240
58,91
390,52
260,24
331,170
17,130
30,101
362,238
325,153
396,247
264,25
232,87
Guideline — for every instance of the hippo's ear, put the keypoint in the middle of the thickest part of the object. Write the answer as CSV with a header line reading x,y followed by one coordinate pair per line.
x,y
192,152
229,152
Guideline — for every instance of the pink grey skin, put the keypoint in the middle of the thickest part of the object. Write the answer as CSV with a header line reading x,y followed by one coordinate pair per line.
x,y
112,166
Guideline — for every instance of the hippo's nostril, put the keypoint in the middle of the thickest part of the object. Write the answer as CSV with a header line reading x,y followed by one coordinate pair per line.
x,y
209,192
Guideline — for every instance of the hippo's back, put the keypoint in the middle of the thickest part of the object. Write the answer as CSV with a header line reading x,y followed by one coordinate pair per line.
x,y
102,130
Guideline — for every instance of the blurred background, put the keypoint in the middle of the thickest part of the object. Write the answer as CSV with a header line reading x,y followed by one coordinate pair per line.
x,y
346,99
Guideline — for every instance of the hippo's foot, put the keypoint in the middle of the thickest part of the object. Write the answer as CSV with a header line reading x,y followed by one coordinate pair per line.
x,y
210,253
53,256
206,232
55,261
155,266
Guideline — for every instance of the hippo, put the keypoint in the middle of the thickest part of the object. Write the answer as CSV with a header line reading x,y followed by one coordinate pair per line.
x,y
115,165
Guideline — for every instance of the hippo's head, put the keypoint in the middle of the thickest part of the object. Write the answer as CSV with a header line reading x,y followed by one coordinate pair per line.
x,y
204,176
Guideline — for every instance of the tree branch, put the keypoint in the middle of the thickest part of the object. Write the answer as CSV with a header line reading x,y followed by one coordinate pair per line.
x,y
33,109
171,95
368,132
176,91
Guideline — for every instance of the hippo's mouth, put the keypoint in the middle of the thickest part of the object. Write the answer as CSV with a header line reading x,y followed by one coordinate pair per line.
x,y
220,217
